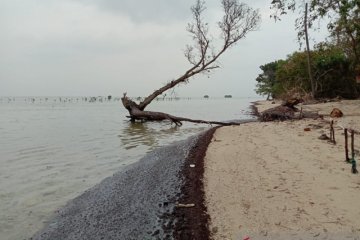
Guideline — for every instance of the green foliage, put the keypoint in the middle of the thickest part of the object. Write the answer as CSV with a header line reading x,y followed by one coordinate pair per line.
x,y
292,73
343,25
333,73
331,69
266,81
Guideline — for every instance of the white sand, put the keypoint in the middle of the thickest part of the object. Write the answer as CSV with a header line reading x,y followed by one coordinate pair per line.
x,y
277,181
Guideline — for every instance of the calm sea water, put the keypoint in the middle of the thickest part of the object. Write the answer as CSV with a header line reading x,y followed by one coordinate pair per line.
x,y
53,149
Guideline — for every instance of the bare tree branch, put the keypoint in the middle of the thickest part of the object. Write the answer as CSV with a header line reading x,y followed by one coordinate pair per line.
x,y
238,20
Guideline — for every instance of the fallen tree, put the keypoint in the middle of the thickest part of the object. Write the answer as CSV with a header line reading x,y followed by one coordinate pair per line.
x,y
238,20
287,111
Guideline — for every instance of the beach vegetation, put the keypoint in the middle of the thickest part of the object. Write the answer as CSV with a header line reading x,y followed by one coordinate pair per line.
x,y
332,67
332,74
341,17
266,81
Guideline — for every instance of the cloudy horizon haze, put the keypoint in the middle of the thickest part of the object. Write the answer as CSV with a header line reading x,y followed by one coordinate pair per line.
x,y
94,47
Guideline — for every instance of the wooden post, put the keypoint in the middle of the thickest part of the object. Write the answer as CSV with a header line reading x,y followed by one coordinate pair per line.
x,y
347,159
353,161
332,132
352,144
353,167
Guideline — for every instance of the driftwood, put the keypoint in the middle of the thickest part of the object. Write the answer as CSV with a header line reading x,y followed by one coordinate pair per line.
x,y
189,205
283,112
291,103
286,111
278,113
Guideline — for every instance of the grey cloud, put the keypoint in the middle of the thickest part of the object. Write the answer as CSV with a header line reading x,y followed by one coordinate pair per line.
x,y
89,47
158,10
140,11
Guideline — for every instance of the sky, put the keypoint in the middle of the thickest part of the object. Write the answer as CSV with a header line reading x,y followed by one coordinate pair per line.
x,y
108,47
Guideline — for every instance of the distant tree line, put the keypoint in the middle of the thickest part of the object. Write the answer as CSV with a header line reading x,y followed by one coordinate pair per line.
x,y
335,64
332,70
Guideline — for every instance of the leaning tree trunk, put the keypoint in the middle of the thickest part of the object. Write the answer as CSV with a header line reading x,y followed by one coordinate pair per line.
x,y
237,21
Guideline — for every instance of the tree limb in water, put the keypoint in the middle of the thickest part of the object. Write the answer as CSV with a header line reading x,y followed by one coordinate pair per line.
x,y
137,114
238,20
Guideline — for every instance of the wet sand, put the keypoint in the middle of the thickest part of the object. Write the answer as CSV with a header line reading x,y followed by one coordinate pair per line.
x,y
142,201
273,180
132,204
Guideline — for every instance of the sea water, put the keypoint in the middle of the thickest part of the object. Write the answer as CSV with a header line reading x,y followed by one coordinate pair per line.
x,y
54,148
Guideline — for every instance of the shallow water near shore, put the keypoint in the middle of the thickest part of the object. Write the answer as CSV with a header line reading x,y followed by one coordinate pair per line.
x,y
53,149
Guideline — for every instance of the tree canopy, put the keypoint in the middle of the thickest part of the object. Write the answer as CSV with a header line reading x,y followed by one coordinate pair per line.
x,y
342,18
334,63
266,81
333,75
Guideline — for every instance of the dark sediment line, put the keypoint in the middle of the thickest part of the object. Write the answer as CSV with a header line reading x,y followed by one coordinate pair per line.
x,y
192,223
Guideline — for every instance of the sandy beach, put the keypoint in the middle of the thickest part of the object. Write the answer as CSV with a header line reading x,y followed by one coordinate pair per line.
x,y
261,180
273,180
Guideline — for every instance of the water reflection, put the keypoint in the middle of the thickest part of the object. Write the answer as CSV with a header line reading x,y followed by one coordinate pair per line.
x,y
148,134
134,134
52,149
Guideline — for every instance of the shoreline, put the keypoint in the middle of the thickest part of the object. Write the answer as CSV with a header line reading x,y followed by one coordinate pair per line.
x,y
192,222
277,180
181,184
189,185
132,204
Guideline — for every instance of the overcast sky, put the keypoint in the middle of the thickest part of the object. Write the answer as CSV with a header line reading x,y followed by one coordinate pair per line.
x,y
101,47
